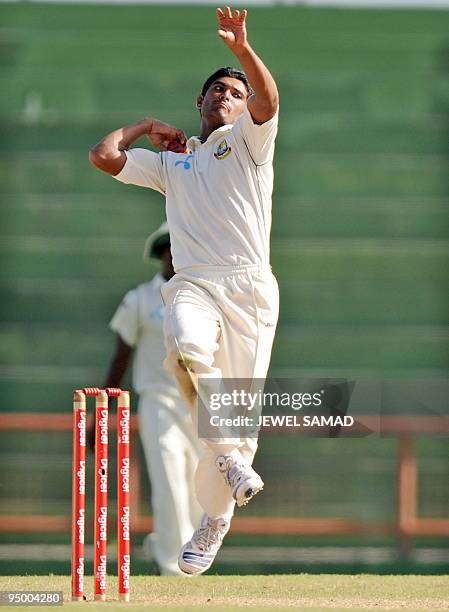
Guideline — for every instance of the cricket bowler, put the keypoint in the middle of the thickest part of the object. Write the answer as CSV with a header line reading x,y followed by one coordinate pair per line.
x,y
221,306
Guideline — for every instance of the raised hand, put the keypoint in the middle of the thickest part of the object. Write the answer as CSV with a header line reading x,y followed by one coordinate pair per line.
x,y
232,27
165,137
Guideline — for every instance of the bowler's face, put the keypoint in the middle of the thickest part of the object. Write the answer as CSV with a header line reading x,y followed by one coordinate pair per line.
x,y
224,101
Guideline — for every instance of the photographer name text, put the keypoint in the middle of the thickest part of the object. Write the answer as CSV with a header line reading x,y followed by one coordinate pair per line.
x,y
285,420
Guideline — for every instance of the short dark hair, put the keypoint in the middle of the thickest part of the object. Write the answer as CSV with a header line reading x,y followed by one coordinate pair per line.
x,y
227,71
159,246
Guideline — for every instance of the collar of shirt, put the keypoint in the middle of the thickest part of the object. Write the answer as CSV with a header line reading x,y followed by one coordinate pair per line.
x,y
194,142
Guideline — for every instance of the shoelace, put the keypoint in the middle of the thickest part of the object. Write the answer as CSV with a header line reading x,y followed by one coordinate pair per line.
x,y
234,474
208,536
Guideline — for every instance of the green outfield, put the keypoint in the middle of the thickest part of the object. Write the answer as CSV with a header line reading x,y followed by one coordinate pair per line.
x,y
357,592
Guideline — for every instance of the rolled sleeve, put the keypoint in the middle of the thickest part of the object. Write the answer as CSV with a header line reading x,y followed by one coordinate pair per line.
x,y
259,139
143,168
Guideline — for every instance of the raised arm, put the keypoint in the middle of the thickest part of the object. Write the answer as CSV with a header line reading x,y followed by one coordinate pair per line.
x,y
109,154
232,30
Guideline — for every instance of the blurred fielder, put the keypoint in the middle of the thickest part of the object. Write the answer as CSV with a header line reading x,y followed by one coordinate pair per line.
x,y
222,304
168,437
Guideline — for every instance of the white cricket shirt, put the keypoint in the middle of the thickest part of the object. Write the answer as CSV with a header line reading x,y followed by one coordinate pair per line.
x,y
218,197
139,322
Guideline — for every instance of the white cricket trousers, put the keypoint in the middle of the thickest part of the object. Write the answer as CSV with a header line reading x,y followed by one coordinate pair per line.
x,y
171,451
219,322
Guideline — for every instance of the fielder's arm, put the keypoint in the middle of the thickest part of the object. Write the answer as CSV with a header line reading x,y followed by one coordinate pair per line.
x,y
117,368
119,364
109,154
264,102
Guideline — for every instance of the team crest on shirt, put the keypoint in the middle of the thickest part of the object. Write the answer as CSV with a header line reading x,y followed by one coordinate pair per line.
x,y
223,150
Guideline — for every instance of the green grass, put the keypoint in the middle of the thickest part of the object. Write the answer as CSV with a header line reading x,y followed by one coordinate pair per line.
x,y
319,592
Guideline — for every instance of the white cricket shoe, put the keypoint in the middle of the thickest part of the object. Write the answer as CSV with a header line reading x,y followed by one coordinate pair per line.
x,y
199,553
240,476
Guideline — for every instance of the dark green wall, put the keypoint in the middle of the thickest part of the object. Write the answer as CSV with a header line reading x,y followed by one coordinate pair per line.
x,y
360,221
